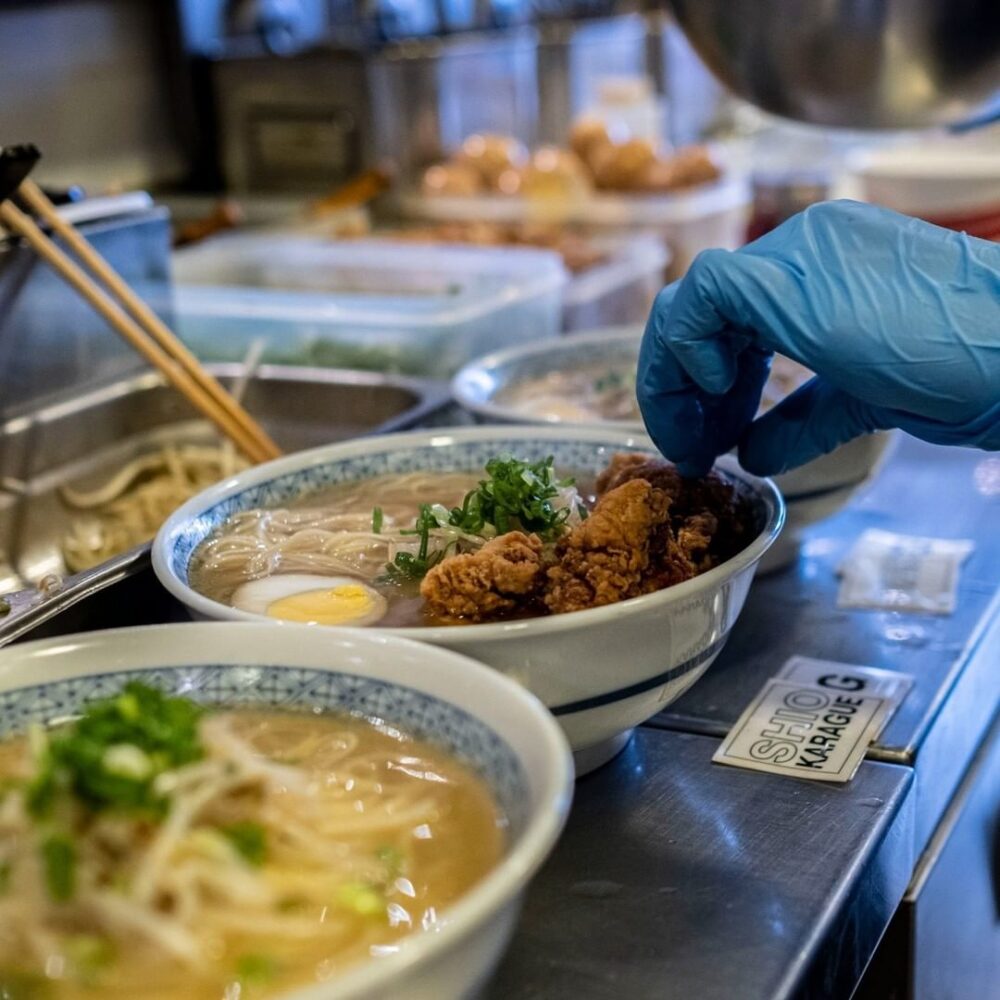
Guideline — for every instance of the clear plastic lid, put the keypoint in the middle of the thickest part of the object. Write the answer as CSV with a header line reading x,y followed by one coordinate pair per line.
x,y
368,282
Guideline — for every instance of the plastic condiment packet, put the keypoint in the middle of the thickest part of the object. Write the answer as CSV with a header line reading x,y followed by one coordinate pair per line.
x,y
894,572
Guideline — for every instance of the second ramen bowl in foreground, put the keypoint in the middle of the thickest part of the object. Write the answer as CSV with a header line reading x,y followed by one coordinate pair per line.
x,y
473,715
600,671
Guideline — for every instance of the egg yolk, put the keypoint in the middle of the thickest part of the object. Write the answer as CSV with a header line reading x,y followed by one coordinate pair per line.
x,y
336,606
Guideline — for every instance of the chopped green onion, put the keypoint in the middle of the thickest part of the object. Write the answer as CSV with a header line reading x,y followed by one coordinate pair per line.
x,y
249,839
256,969
59,859
363,899
377,520
111,756
392,858
406,565
18,985
127,761
516,496
127,704
89,954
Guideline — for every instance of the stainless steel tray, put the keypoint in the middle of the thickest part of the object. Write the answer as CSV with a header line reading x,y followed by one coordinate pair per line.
x,y
85,440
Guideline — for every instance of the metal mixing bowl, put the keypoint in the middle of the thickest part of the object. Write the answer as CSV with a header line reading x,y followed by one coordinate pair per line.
x,y
857,63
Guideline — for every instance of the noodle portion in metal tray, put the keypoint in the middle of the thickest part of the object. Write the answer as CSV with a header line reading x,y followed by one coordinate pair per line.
x,y
89,477
127,509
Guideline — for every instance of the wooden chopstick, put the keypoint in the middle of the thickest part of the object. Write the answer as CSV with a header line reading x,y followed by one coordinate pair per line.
x,y
147,319
252,445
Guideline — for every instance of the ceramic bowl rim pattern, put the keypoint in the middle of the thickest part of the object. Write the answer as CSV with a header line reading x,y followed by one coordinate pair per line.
x,y
463,382
234,645
172,533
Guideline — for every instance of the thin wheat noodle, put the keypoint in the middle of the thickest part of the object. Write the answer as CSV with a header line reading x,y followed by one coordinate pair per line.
x,y
332,533
335,798
129,508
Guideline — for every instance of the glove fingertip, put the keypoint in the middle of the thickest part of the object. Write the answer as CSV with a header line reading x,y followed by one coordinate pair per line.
x,y
761,454
694,470
675,435
812,421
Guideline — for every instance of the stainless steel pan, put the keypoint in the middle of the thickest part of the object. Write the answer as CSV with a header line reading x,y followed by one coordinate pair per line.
x,y
83,441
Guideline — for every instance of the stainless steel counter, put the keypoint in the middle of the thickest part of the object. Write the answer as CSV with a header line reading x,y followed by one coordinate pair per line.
x,y
677,878
923,490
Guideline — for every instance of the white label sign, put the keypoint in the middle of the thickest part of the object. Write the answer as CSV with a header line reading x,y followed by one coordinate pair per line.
x,y
832,676
804,730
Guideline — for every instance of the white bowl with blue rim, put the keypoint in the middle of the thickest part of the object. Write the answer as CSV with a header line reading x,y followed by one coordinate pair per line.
x,y
479,716
601,671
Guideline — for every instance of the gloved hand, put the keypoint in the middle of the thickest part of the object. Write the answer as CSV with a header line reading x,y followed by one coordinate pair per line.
x,y
899,319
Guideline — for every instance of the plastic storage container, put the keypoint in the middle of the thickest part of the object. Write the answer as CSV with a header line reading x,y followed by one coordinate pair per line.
x,y
953,183
621,289
711,215
398,308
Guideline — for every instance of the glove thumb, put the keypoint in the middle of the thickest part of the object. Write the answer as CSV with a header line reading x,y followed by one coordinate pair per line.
x,y
812,421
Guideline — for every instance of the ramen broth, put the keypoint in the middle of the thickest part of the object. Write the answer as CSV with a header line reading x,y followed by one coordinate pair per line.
x,y
589,393
330,533
603,392
370,834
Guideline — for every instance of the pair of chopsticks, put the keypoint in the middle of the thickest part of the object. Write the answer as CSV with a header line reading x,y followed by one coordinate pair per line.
x,y
120,306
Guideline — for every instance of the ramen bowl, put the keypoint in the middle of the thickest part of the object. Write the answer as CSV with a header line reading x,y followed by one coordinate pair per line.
x,y
600,671
496,389
471,713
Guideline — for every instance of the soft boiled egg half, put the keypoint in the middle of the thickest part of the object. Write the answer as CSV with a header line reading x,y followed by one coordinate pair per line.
x,y
319,600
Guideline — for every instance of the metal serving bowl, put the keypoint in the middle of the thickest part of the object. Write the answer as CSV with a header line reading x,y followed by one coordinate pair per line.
x,y
878,64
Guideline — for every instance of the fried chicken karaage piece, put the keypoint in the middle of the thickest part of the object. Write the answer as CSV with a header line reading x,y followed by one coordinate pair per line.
x,y
650,529
695,535
605,558
507,572
710,517
625,466
678,556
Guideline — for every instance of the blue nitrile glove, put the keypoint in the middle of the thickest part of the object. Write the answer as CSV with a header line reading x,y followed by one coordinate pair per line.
x,y
899,319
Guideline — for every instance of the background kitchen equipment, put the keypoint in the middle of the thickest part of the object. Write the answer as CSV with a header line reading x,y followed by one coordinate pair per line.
x,y
50,339
897,63
619,289
350,84
103,288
